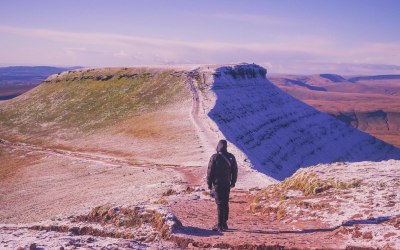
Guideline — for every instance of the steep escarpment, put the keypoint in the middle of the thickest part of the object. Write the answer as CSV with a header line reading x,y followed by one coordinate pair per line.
x,y
278,133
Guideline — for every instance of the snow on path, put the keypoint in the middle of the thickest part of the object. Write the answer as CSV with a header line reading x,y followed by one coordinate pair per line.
x,y
13,237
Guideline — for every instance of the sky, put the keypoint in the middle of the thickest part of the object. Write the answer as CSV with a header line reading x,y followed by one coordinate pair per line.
x,y
285,36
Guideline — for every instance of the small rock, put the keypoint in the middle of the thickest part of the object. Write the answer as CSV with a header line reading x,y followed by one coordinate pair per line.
x,y
62,248
89,240
195,197
20,248
33,246
199,189
318,190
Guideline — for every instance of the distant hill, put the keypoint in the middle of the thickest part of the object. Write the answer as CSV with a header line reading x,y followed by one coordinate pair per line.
x,y
16,80
369,103
333,77
25,75
372,78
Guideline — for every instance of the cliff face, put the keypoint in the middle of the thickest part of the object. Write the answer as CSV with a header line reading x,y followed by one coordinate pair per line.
x,y
278,133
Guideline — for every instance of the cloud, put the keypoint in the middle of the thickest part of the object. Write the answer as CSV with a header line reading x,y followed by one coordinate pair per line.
x,y
335,68
372,53
298,44
290,54
74,51
254,19
120,53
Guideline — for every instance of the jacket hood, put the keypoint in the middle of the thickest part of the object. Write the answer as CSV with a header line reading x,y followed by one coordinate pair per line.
x,y
222,146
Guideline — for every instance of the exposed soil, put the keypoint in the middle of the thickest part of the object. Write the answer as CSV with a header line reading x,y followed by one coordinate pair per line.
x,y
250,230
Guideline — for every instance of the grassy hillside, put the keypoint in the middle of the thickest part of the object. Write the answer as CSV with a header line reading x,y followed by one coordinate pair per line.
x,y
88,100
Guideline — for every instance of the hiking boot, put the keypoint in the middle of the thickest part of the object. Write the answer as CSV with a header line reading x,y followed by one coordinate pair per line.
x,y
217,228
225,227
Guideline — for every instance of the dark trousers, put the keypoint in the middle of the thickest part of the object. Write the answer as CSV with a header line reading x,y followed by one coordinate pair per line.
x,y
222,200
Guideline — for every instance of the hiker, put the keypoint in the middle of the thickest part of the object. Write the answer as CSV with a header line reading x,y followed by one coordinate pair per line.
x,y
222,175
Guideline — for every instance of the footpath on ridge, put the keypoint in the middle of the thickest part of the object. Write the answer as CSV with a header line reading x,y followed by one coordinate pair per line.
x,y
246,229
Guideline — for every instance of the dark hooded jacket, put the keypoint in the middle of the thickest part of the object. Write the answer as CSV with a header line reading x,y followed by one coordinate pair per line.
x,y
222,168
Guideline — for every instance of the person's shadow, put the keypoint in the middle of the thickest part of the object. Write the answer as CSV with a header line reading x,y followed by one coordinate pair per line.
x,y
196,231
349,223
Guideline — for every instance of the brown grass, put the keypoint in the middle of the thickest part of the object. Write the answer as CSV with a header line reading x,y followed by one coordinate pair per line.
x,y
312,205
305,181
131,217
309,183
153,125
169,192
12,161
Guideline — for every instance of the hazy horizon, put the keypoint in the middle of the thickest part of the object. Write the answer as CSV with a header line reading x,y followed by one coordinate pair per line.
x,y
307,37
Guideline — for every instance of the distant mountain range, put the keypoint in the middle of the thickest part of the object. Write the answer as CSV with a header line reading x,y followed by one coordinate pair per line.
x,y
16,80
25,75
369,103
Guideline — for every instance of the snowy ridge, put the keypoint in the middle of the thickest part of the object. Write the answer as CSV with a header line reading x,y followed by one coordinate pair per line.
x,y
276,132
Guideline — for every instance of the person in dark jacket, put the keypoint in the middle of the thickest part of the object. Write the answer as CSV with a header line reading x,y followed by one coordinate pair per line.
x,y
222,175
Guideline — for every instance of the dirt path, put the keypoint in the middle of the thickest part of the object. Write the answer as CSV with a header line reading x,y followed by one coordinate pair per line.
x,y
249,178
248,229
191,173
92,157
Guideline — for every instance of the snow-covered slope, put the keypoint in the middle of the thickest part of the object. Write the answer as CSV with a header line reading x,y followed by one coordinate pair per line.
x,y
276,132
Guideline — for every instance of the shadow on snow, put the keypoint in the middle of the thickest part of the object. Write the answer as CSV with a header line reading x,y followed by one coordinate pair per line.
x,y
280,134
